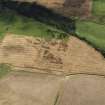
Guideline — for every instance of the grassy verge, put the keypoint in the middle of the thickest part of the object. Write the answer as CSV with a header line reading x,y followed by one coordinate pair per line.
x,y
4,69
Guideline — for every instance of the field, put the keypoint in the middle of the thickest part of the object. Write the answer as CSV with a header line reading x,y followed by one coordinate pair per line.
x,y
99,7
48,72
93,30
22,88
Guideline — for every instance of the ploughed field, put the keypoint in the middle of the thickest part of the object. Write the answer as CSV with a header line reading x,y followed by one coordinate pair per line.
x,y
49,59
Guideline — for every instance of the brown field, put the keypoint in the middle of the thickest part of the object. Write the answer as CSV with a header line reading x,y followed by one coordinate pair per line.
x,y
51,56
22,88
51,72
83,90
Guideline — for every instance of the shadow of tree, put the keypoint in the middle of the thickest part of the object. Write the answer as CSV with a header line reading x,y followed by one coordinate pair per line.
x,y
41,14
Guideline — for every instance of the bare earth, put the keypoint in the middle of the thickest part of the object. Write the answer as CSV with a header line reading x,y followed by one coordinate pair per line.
x,y
52,57
83,90
51,72
29,89
23,88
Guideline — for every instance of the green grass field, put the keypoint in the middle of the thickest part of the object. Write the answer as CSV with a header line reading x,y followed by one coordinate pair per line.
x,y
99,7
92,32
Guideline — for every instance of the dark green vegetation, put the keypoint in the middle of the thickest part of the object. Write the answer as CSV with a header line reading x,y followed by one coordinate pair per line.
x,y
32,19
4,69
